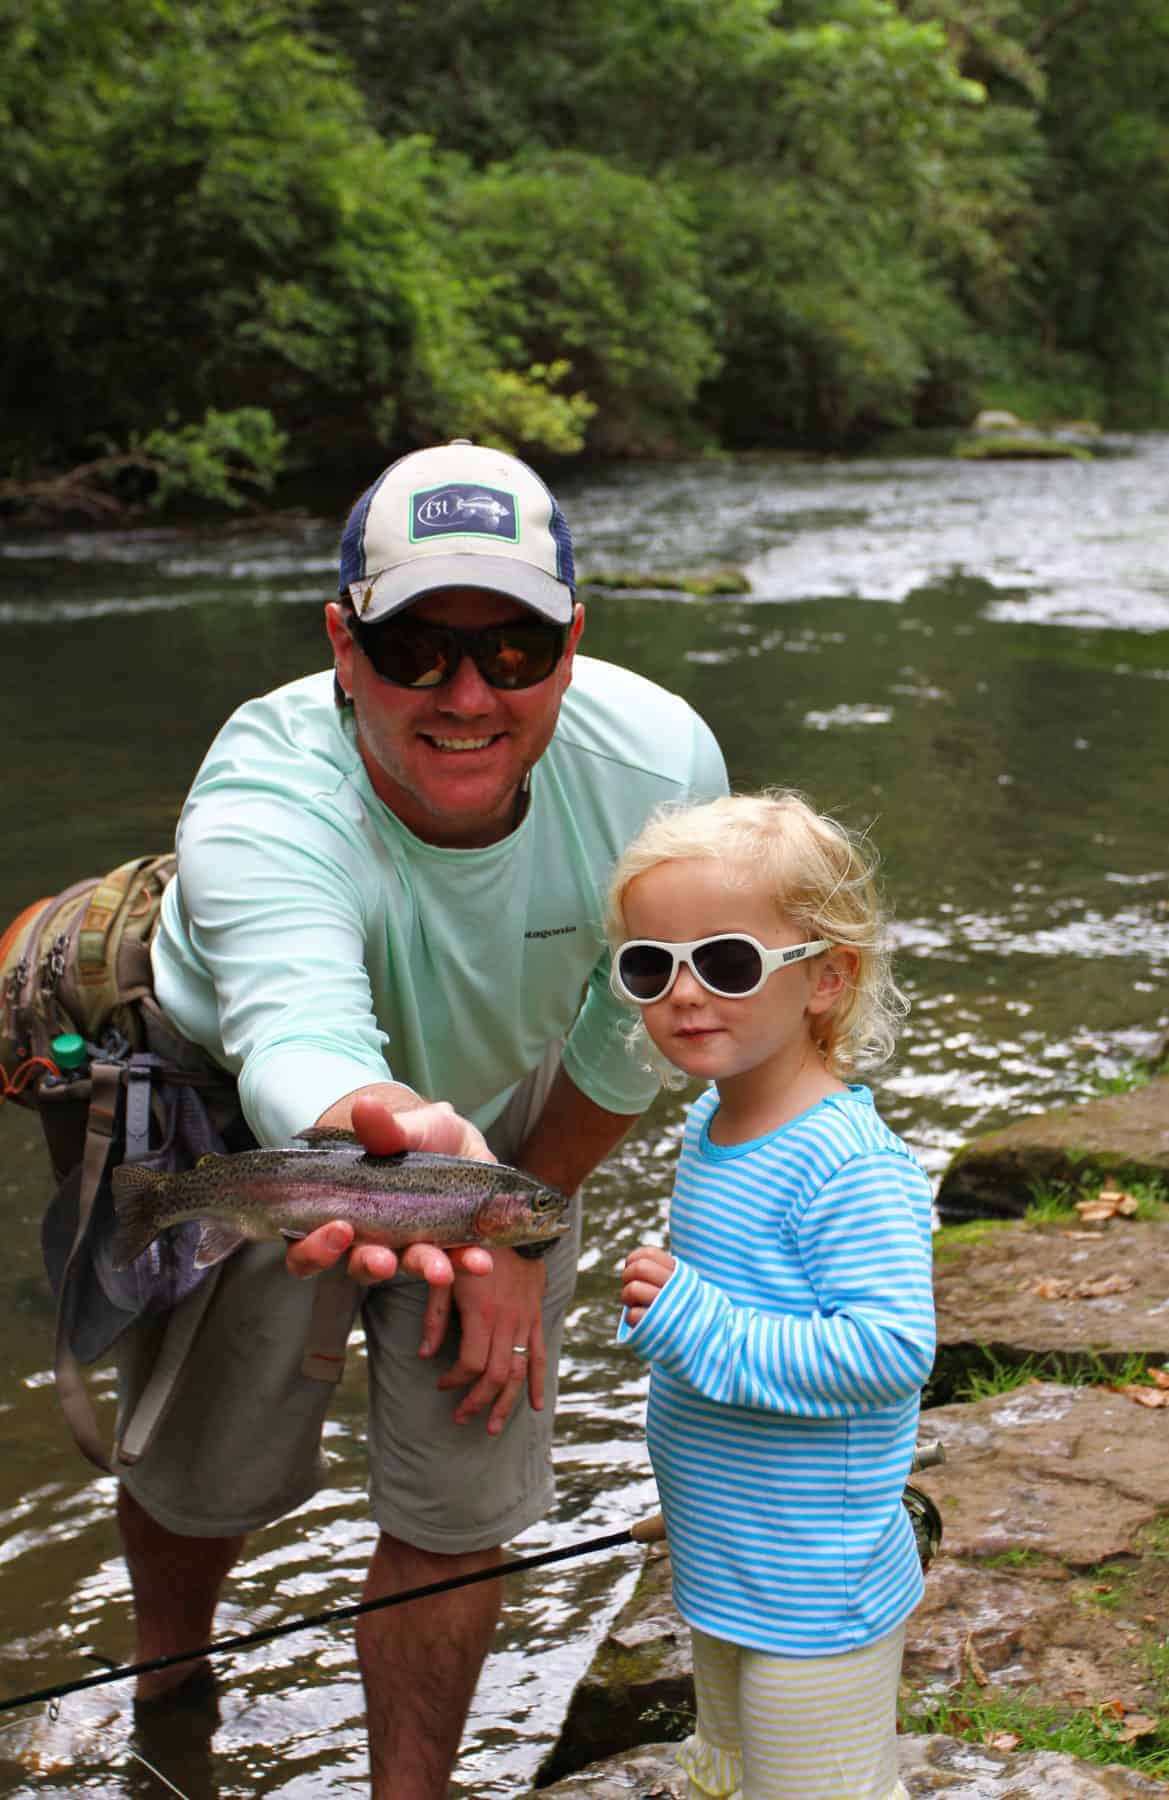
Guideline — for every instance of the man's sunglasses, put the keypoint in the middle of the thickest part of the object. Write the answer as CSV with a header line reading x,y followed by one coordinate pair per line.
x,y
413,653
732,965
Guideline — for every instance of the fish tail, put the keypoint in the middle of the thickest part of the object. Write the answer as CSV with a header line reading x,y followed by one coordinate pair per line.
x,y
136,1193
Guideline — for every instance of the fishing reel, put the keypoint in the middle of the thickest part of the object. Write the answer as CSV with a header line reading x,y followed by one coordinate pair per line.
x,y
923,1514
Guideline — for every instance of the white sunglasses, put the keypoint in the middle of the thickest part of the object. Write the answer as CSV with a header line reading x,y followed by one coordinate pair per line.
x,y
731,965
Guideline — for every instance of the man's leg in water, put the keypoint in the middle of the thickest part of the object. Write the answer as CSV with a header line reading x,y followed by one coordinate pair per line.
x,y
420,1664
176,1582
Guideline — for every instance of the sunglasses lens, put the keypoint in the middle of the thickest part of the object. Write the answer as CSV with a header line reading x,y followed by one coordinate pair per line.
x,y
519,655
729,964
409,652
645,970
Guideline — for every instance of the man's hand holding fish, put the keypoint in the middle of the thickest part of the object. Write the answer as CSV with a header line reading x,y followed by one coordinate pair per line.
x,y
388,1117
501,1346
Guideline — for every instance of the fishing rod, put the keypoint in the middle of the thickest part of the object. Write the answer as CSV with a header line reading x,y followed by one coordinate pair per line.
x,y
645,1531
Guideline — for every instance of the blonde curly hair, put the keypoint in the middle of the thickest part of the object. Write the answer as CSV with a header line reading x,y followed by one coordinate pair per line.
x,y
818,874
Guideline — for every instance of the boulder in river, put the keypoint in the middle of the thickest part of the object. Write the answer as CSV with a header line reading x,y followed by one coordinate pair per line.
x,y
1126,1134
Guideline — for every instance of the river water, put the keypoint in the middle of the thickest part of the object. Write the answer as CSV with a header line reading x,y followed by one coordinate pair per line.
x,y
971,660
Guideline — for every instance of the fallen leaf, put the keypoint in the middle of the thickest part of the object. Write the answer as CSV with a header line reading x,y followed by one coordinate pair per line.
x,y
1144,1396
1107,1204
1160,1377
1002,1740
1137,1725
1117,1708
1058,1287
1081,1237
1106,1284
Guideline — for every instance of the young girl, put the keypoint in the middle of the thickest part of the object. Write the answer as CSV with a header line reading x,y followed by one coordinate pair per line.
x,y
789,1328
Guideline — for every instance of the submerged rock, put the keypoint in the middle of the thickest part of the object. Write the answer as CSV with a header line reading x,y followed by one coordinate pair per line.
x,y
1001,446
700,582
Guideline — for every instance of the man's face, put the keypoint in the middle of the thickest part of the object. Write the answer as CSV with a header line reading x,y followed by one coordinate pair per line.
x,y
448,761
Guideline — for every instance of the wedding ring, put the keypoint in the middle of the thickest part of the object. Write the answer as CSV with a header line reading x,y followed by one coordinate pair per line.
x,y
519,1349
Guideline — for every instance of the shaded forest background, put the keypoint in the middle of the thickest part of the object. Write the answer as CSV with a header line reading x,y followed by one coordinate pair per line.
x,y
240,238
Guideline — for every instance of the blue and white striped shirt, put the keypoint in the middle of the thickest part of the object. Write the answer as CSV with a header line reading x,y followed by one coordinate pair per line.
x,y
788,1351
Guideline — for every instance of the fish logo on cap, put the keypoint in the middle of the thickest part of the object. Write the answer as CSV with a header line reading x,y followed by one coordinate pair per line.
x,y
466,511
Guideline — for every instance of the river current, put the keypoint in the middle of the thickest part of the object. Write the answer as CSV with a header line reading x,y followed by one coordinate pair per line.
x,y
969,660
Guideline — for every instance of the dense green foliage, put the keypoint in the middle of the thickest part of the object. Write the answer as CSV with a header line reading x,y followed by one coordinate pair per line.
x,y
628,224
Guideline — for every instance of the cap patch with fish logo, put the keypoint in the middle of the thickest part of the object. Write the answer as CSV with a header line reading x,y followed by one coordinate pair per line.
x,y
462,510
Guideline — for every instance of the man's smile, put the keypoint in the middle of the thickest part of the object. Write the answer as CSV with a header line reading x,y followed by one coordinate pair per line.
x,y
459,743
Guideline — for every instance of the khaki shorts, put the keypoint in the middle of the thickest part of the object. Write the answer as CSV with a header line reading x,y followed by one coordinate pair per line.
x,y
239,1443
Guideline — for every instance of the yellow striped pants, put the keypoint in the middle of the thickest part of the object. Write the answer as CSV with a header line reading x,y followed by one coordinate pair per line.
x,y
794,1727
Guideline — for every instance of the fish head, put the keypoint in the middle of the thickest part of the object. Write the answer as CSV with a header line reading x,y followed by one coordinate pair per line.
x,y
521,1216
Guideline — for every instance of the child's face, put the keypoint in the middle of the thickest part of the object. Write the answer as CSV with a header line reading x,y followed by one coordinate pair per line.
x,y
762,1039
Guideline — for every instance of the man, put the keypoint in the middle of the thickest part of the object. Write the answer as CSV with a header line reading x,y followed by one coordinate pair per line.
x,y
387,909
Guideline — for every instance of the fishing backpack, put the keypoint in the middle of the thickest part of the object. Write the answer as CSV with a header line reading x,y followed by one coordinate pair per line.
x,y
79,963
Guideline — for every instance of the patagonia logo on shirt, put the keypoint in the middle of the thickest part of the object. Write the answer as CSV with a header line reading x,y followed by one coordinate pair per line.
x,y
465,511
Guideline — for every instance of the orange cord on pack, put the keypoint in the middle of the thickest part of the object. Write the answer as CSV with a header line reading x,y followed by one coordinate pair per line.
x,y
14,1084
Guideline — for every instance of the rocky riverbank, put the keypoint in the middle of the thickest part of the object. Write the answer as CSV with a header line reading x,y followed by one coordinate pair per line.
x,y
1049,1600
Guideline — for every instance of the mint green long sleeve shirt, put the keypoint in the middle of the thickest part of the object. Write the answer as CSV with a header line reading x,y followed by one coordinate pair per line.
x,y
311,944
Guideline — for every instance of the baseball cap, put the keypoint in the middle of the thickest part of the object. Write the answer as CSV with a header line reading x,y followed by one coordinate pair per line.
x,y
457,515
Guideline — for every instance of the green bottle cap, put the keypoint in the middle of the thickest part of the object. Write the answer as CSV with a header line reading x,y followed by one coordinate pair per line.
x,y
69,1051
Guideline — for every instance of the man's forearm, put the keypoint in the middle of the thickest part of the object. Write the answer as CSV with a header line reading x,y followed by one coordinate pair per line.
x,y
571,1137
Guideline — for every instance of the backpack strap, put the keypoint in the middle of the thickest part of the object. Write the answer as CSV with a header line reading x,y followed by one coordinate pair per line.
x,y
112,964
105,1080
183,1322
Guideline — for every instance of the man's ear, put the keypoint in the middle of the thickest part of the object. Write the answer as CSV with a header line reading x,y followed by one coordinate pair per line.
x,y
575,631
344,648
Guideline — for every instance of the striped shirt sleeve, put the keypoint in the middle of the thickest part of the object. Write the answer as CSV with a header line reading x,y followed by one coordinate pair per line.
x,y
867,1342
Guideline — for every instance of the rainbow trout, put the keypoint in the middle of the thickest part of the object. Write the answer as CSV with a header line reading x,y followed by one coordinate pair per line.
x,y
411,1198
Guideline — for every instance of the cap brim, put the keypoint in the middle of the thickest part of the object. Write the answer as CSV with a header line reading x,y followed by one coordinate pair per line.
x,y
392,589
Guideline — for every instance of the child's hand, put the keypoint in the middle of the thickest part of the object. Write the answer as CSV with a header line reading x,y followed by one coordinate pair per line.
x,y
647,1270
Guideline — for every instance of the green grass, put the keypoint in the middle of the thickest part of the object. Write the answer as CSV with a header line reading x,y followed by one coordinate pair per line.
x,y
1083,1370
670,1723
1136,1075
1018,1558
1093,1734
949,1240
1126,1081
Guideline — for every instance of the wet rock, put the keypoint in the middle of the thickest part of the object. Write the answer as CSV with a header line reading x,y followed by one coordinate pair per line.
x,y
638,1685
943,1765
1066,1295
992,1177
1052,1584
928,1765
1052,1576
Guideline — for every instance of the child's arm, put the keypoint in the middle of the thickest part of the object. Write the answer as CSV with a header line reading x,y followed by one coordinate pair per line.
x,y
647,1270
870,1339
